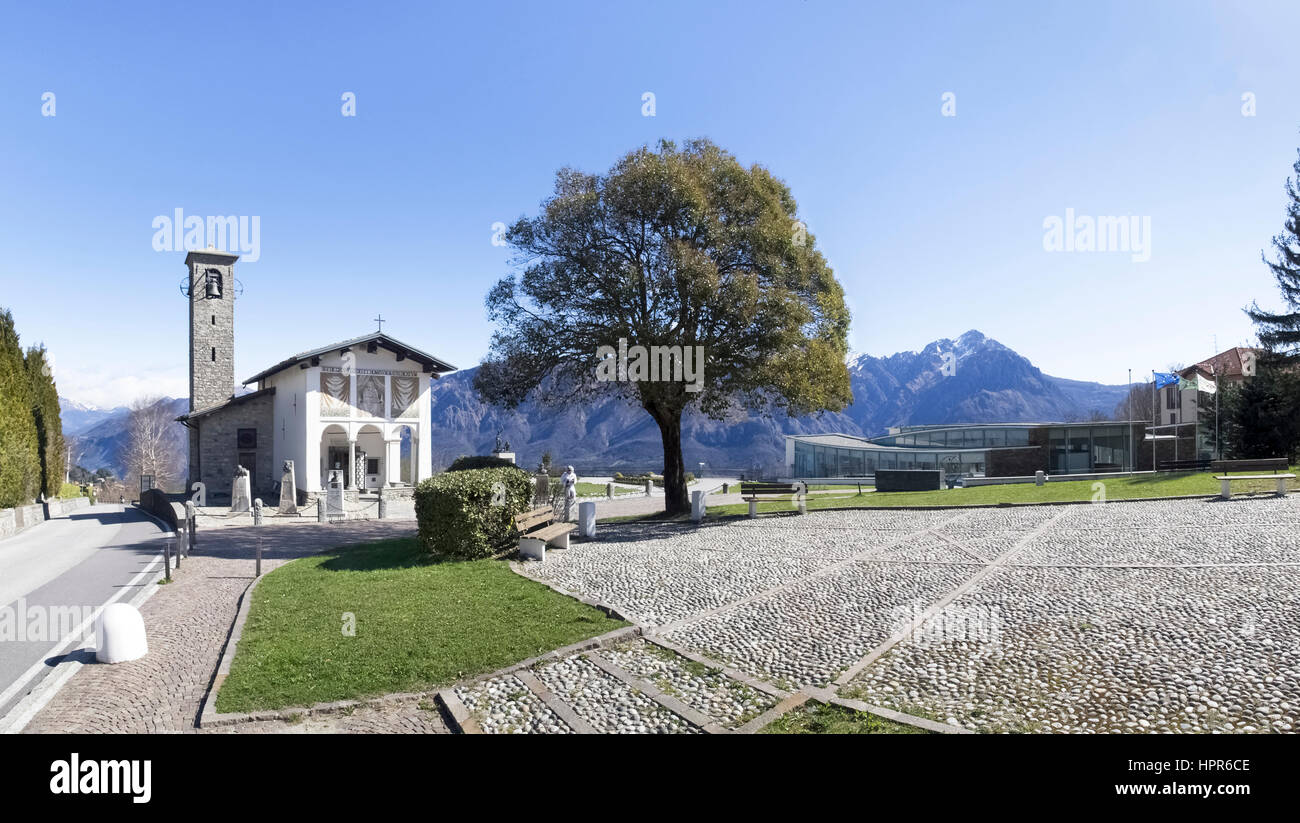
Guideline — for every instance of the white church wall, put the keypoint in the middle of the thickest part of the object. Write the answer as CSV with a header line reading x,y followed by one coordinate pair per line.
x,y
291,404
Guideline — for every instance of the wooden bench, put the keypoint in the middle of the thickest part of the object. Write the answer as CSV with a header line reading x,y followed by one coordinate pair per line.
x,y
752,493
538,529
1185,465
1266,464
1225,482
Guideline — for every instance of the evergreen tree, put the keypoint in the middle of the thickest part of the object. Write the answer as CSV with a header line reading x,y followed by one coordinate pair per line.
x,y
20,465
1279,332
49,423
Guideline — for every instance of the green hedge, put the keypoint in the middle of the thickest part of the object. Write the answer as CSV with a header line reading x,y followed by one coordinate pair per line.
x,y
656,479
478,462
458,516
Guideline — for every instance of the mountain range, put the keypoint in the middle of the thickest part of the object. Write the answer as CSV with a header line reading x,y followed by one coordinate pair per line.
x,y
973,379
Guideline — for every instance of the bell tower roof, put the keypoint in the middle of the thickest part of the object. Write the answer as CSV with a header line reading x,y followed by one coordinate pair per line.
x,y
200,253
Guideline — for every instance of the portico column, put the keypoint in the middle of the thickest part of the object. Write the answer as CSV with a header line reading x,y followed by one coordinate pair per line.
x,y
351,468
393,461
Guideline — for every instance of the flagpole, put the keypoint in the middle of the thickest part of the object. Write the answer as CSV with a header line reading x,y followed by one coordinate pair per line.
x,y
1218,453
1154,419
1129,464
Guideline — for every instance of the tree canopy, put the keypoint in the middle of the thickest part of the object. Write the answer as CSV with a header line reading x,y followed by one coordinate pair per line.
x,y
672,247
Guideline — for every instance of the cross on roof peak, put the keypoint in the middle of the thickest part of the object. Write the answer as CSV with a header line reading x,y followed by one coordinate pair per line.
x,y
380,321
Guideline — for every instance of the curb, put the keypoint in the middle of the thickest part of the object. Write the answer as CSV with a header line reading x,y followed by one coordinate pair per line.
x,y
208,716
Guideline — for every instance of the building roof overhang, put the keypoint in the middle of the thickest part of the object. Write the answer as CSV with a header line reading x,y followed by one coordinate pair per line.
x,y
372,342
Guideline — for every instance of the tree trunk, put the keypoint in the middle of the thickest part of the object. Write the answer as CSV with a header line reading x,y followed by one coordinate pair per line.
x,y
676,501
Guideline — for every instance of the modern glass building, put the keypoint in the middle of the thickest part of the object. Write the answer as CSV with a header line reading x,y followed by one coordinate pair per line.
x,y
976,450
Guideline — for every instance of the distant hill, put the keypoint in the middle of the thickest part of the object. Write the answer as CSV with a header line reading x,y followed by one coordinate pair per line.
x,y
973,379
77,417
102,445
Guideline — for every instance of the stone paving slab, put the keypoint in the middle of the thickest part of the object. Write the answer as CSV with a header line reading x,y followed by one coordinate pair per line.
x,y
1104,650
810,631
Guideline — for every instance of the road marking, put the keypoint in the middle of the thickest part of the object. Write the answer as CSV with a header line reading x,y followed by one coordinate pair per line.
x,y
21,714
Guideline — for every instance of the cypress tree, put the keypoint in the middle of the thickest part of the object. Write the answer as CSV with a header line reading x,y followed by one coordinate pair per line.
x,y
20,465
49,423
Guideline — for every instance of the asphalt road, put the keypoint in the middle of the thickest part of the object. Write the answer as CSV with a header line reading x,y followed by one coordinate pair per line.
x,y
54,575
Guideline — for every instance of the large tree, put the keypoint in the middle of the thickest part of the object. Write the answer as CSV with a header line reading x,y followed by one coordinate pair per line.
x,y
671,247
152,446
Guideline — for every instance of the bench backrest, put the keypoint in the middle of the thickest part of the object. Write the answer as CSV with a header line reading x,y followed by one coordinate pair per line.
x,y
534,519
1260,464
768,488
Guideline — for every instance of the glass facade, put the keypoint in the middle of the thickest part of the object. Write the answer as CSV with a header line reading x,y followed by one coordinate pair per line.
x,y
1078,449
963,450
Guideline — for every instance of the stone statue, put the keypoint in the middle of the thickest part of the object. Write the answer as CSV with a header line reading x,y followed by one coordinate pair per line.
x,y
288,489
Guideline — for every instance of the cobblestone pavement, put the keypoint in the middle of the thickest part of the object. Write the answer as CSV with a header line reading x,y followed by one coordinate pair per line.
x,y
187,622
1170,616
1180,615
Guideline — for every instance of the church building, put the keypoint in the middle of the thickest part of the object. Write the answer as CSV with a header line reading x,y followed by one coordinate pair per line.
x,y
355,411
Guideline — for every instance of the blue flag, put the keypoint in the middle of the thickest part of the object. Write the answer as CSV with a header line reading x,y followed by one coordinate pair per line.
x,y
1164,379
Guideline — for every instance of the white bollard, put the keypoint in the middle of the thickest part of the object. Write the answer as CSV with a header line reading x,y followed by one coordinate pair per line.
x,y
119,634
609,491
697,506
587,519
1039,478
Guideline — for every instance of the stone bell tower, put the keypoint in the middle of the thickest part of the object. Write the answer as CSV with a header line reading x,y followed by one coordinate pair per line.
x,y
212,327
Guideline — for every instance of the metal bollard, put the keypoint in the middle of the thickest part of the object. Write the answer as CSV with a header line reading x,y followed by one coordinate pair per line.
x,y
167,561
609,490
259,556
191,522
180,549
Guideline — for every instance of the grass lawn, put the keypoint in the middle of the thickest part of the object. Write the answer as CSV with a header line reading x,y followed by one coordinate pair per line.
x,y
820,718
598,490
1164,484
420,624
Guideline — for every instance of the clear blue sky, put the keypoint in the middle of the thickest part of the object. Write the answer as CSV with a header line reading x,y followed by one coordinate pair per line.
x,y
464,111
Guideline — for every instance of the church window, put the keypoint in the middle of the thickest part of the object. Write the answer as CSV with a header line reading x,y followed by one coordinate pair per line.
x,y
247,438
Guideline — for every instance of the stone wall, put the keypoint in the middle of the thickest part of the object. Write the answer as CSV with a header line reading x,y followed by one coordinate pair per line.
x,y
908,480
397,503
1017,462
219,449
13,521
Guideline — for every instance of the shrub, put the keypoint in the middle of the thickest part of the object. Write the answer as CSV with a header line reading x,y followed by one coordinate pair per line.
x,y
472,462
656,479
458,516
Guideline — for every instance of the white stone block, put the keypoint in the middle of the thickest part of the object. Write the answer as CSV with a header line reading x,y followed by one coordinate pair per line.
x,y
587,519
119,634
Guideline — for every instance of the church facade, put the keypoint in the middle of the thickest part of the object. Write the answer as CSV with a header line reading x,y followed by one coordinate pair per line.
x,y
354,412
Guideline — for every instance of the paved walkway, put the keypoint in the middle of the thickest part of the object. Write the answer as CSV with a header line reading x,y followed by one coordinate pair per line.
x,y
187,622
